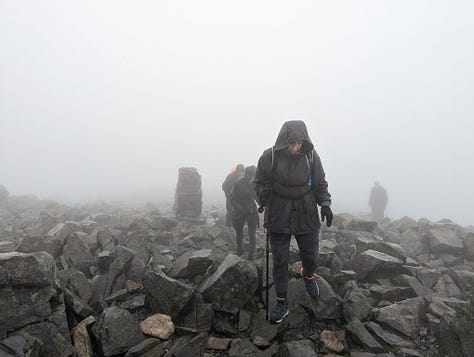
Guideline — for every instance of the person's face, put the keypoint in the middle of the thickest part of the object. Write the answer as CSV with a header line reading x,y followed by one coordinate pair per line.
x,y
293,148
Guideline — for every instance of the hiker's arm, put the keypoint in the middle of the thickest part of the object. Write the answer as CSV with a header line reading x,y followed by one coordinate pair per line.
x,y
262,182
321,194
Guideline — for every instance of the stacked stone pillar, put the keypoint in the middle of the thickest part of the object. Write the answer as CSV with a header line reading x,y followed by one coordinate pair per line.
x,y
188,198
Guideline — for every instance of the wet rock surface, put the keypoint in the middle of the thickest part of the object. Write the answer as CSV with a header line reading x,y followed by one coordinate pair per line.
x,y
110,280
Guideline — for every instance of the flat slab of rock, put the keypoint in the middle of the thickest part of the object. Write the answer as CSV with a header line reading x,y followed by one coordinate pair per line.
x,y
374,261
405,317
358,330
357,224
444,240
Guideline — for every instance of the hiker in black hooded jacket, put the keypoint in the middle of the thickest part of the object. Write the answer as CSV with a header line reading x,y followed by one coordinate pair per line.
x,y
227,188
244,210
290,183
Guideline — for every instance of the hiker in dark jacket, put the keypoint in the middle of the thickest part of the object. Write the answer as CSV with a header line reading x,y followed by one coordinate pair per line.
x,y
244,210
378,201
237,172
290,183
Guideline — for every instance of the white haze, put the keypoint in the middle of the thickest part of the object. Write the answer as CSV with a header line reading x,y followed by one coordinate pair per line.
x,y
107,99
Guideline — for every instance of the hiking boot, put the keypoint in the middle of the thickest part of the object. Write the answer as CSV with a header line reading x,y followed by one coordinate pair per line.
x,y
279,312
311,285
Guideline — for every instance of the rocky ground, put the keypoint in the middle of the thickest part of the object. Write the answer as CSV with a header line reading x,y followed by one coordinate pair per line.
x,y
106,280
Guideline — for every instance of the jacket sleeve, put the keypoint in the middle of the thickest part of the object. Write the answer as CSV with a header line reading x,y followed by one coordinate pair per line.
x,y
262,182
226,185
321,194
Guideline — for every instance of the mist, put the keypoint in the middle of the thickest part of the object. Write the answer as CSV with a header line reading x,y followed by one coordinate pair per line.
x,y
106,100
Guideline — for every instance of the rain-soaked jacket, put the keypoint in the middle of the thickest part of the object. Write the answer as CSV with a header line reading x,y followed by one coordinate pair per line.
x,y
293,193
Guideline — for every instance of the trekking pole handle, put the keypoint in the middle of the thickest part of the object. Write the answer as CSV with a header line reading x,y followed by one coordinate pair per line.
x,y
261,209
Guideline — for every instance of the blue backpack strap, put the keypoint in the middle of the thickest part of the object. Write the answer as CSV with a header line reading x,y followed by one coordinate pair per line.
x,y
310,161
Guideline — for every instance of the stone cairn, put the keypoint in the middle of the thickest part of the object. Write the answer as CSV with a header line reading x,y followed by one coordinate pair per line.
x,y
188,198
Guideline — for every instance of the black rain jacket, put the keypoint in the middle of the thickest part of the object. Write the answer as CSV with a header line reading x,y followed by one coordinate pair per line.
x,y
292,208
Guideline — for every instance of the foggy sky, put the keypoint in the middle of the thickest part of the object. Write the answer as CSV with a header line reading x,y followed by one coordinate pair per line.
x,y
107,99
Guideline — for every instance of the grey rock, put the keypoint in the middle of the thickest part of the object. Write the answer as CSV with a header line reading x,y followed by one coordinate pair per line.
x,y
164,294
468,242
51,243
241,347
326,307
23,345
387,337
363,336
373,261
55,338
415,285
438,308
110,333
77,254
414,243
357,224
189,346
233,283
122,258
262,330
463,279
428,277
297,349
390,292
149,346
405,316
444,240
32,301
404,224
446,286
75,281
191,263
355,304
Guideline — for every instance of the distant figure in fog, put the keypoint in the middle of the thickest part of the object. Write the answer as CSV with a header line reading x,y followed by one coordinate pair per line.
x,y
378,201
3,193
244,210
237,172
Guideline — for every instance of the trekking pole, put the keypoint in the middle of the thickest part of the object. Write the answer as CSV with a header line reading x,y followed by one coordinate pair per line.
x,y
267,253
267,248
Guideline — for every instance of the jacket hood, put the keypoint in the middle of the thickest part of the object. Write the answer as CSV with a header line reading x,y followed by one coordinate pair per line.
x,y
292,131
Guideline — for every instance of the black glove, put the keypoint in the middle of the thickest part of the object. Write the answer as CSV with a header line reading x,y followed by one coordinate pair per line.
x,y
327,213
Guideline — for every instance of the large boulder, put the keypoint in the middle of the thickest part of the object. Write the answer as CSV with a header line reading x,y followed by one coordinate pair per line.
x,y
326,307
354,303
191,263
76,252
372,261
405,317
164,294
116,331
51,243
32,302
233,284
414,243
444,240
